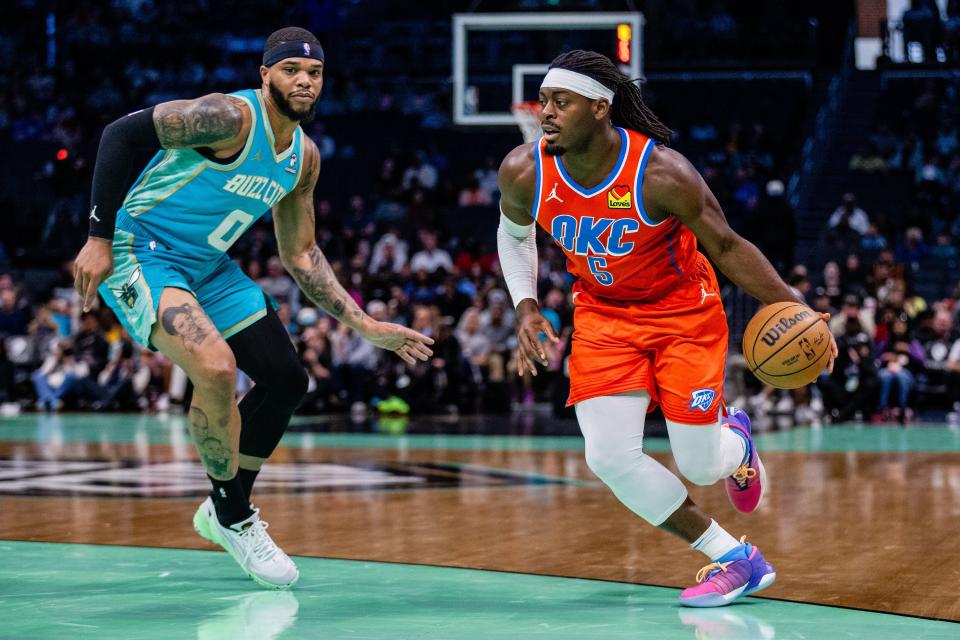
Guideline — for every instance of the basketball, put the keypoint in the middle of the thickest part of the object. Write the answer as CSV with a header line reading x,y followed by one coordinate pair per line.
x,y
787,345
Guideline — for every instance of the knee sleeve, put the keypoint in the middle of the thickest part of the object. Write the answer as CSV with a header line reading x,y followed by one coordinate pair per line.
x,y
264,352
612,428
705,453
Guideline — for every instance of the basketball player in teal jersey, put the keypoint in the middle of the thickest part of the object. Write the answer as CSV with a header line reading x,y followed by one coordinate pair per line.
x,y
157,256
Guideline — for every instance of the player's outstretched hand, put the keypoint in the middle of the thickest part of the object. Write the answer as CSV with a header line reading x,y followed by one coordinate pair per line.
x,y
92,266
531,325
834,351
406,343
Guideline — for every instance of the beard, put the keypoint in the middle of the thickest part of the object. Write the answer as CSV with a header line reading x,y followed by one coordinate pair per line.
x,y
554,150
303,116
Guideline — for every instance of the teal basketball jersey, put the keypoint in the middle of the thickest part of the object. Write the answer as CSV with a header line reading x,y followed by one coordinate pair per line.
x,y
196,208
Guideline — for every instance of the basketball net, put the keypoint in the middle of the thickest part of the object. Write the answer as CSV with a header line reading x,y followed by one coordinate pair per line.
x,y
527,115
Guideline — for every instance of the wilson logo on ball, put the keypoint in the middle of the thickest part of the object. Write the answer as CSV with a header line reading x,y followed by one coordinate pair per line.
x,y
775,332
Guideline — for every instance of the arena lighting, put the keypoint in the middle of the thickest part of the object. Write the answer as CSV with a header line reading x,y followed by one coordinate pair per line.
x,y
62,154
624,33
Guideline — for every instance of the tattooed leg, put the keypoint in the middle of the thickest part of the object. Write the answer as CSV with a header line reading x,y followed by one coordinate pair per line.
x,y
213,443
187,322
187,336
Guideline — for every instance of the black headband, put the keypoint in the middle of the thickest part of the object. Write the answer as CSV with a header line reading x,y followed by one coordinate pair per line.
x,y
292,49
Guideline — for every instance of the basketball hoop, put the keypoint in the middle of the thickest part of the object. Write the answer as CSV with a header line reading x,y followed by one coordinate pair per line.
x,y
527,116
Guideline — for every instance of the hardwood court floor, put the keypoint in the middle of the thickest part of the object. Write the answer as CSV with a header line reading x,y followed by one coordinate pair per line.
x,y
862,518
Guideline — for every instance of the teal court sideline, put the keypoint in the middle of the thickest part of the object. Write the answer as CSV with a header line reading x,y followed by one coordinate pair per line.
x,y
171,430
87,591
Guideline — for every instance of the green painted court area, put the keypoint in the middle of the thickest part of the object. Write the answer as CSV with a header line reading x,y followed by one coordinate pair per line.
x,y
80,591
171,429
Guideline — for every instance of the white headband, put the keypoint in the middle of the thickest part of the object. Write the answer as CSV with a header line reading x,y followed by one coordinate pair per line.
x,y
576,82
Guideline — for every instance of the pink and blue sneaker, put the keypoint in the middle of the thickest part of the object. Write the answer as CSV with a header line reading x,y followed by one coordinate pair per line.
x,y
738,573
745,485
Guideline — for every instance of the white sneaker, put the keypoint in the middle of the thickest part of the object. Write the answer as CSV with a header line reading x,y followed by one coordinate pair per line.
x,y
251,546
201,519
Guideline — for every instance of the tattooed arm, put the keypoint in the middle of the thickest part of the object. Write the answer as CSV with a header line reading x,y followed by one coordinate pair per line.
x,y
216,121
295,228
296,237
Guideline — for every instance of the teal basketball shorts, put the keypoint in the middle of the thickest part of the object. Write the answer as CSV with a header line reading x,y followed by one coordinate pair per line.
x,y
142,268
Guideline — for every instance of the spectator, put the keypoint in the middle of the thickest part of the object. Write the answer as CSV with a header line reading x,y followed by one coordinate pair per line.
x,y
420,174
57,376
358,223
921,25
853,278
952,369
437,382
389,255
831,283
944,251
279,285
852,319
497,320
850,391
90,345
316,355
872,240
936,347
124,380
473,195
7,376
452,302
799,281
913,250
476,344
14,313
44,332
848,218
901,356
430,258
354,360
486,176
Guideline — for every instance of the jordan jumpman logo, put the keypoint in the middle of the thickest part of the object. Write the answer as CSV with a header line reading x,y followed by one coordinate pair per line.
x,y
704,295
553,195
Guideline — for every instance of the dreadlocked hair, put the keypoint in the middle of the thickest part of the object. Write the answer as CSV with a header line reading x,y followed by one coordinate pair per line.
x,y
290,34
628,109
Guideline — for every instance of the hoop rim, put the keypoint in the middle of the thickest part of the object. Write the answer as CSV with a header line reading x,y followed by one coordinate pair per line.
x,y
525,107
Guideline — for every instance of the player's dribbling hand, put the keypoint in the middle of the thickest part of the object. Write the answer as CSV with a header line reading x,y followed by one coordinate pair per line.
x,y
834,351
530,326
91,267
408,344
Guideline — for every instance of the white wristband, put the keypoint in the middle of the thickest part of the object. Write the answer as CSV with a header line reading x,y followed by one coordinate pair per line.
x,y
517,247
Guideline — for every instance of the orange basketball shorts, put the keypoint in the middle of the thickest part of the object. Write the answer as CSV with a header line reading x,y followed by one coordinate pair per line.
x,y
675,348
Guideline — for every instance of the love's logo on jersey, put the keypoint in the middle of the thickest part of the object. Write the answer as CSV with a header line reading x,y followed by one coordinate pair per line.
x,y
619,197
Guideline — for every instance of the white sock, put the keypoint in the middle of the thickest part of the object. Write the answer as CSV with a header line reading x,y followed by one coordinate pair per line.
x,y
715,542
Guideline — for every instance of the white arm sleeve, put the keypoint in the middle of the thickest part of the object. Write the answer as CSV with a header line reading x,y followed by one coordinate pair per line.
x,y
517,246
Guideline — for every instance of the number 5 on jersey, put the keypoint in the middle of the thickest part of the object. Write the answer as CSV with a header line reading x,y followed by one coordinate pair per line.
x,y
597,266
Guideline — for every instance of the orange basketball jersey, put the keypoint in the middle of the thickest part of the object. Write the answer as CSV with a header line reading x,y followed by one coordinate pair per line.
x,y
613,248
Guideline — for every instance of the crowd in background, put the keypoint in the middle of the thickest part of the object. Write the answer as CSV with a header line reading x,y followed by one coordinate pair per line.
x,y
932,36
391,222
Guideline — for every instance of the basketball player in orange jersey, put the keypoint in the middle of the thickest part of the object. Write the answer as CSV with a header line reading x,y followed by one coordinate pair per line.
x,y
649,326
